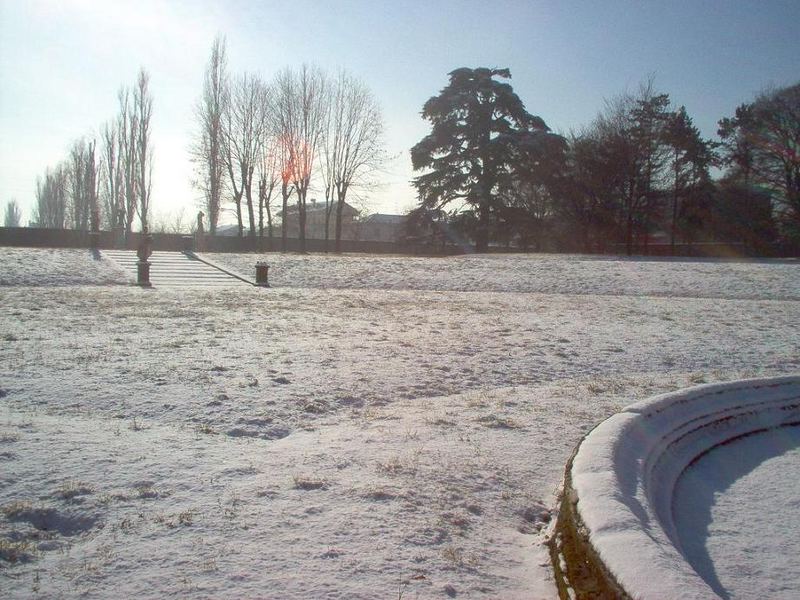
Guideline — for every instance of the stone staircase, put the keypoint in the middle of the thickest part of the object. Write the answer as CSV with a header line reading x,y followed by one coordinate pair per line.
x,y
175,270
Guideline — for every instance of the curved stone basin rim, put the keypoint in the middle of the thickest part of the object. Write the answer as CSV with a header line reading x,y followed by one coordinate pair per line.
x,y
620,482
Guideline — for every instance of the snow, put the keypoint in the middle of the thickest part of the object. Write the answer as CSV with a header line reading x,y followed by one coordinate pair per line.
x,y
626,470
369,427
737,514
530,273
58,267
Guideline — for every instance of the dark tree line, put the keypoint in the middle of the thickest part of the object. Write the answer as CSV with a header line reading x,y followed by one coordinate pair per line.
x,y
761,149
641,170
13,214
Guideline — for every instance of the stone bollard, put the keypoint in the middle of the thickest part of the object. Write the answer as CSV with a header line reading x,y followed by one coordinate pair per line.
x,y
143,273
188,243
143,266
262,274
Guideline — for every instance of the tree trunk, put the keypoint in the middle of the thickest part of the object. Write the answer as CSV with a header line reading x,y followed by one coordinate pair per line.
x,y
674,227
261,191
238,200
247,184
285,206
338,225
269,228
213,207
327,224
341,195
629,234
301,219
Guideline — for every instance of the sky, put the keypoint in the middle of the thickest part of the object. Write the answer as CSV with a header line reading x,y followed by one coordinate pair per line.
x,y
62,63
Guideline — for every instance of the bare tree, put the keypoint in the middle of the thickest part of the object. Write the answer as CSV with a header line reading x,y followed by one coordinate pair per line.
x,y
208,149
83,181
13,216
353,143
143,110
629,135
171,222
269,174
112,176
300,111
773,128
91,182
245,128
51,198
281,150
127,134
79,208
328,168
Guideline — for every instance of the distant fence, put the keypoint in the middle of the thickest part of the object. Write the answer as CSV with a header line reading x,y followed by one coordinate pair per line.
x,y
71,238
697,249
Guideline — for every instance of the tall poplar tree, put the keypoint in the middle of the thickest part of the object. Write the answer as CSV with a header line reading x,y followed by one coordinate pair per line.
x,y
208,148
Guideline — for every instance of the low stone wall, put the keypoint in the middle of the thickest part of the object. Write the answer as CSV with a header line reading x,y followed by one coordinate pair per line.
x,y
615,535
51,238
174,242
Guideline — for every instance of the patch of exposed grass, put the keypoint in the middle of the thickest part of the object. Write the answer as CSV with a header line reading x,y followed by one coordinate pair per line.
x,y
16,510
184,518
14,552
392,466
205,428
697,378
305,482
440,421
499,422
377,494
457,557
146,491
73,488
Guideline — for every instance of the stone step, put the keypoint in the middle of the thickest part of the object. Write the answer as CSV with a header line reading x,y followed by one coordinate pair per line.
x,y
174,269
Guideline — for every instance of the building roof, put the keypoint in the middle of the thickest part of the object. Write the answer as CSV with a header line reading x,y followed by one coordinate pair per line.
x,y
380,218
314,206
230,230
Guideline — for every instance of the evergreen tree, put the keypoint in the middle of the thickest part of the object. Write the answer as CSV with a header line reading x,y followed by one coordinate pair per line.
x,y
479,129
689,160
622,158
647,123
587,199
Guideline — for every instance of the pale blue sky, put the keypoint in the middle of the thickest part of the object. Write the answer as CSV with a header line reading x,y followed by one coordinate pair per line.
x,y
62,62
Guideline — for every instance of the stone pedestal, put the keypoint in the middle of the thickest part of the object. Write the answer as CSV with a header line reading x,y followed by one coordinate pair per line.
x,y
143,273
262,274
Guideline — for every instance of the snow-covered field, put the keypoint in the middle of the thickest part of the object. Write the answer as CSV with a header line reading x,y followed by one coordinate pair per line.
x,y
57,267
532,273
370,427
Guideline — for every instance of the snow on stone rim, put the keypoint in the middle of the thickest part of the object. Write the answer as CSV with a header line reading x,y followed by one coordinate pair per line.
x,y
625,471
